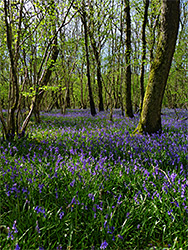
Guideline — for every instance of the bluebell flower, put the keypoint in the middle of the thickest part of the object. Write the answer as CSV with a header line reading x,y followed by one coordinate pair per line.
x,y
61,215
40,210
37,227
118,201
10,234
91,196
14,227
72,183
120,236
104,245
17,247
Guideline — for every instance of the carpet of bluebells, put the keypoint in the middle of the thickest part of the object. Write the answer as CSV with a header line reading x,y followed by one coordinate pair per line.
x,y
83,182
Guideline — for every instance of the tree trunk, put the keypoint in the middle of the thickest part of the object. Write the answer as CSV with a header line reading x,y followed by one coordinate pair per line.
x,y
44,81
150,120
99,76
143,54
68,104
92,104
14,54
128,102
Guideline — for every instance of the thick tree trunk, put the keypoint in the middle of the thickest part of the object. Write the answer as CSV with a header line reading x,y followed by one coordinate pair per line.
x,y
128,102
150,120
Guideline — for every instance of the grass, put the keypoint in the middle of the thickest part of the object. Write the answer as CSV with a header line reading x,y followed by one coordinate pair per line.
x,y
78,182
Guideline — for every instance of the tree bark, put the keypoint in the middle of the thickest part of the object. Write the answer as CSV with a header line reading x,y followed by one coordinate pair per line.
x,y
150,120
14,53
128,102
143,53
92,104
96,51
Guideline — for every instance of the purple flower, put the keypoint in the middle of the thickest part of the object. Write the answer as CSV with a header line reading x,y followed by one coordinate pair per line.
x,y
17,247
118,201
104,245
59,248
24,190
37,227
10,234
119,236
56,193
91,196
40,187
176,203
106,216
61,215
110,230
72,183
40,210
169,212
14,227
173,176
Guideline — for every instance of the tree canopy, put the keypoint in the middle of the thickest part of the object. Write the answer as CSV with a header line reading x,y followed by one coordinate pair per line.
x,y
86,54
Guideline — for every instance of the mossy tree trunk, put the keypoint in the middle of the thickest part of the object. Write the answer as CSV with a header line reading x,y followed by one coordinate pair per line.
x,y
150,120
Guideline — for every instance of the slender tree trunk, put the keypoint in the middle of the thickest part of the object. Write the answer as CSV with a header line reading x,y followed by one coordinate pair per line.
x,y
68,98
128,102
47,74
45,80
150,120
143,53
99,76
121,59
96,46
92,104
100,87
14,53
81,86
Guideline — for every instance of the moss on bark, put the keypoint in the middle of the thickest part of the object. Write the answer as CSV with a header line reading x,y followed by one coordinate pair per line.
x,y
150,120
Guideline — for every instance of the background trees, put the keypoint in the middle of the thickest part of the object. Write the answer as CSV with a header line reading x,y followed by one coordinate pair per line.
x,y
32,58
44,58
